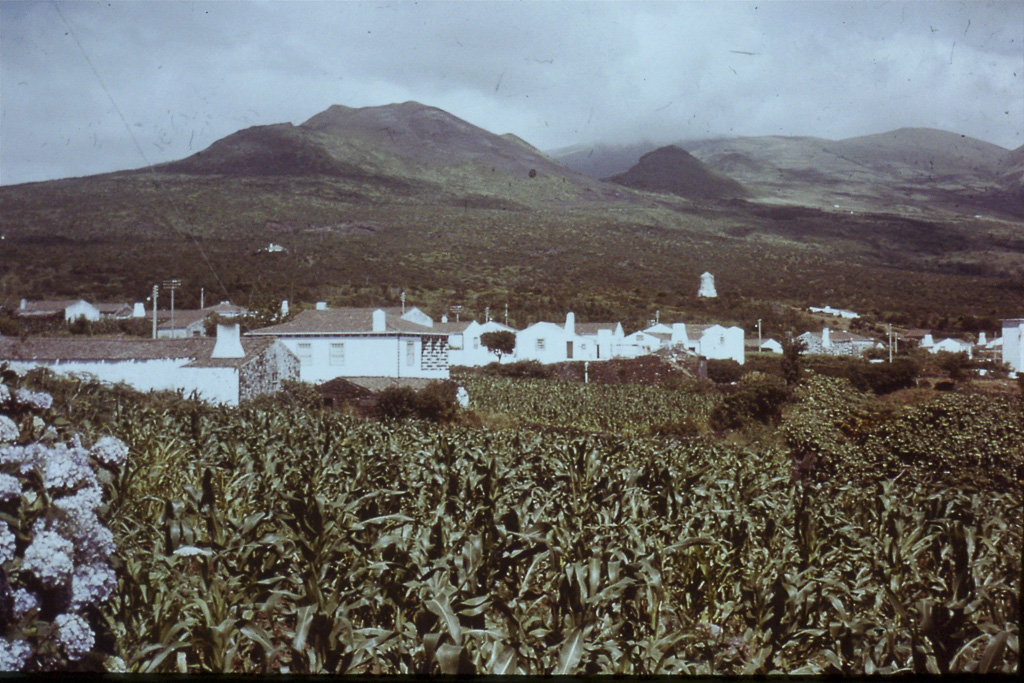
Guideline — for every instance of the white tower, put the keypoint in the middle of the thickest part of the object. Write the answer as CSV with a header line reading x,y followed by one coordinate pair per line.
x,y
707,286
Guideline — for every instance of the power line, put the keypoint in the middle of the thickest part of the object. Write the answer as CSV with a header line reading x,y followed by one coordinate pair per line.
x,y
138,147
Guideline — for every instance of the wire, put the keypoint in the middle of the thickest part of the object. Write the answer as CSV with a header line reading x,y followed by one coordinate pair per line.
x,y
138,147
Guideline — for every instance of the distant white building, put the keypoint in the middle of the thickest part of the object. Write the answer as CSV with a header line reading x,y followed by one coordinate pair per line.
x,y
550,343
707,286
837,343
465,346
838,312
70,309
1013,343
711,341
952,346
226,370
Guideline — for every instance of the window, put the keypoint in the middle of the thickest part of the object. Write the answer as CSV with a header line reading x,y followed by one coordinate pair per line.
x,y
476,342
338,353
305,353
410,353
540,344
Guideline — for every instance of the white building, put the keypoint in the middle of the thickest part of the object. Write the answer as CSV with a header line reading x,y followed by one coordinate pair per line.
x,y
550,343
607,338
226,370
711,341
707,286
838,312
191,322
71,309
1013,343
837,343
363,342
952,346
465,347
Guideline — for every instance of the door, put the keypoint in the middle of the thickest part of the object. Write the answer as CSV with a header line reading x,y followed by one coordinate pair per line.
x,y
568,350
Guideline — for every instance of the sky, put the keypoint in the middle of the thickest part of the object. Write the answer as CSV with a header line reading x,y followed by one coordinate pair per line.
x,y
93,87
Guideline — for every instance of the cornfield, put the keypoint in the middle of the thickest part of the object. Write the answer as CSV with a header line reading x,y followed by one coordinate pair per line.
x,y
297,540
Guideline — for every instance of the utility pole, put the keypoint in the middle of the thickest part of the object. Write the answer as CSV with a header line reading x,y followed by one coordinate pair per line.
x,y
487,314
173,284
156,290
403,303
506,314
758,334
890,343
202,293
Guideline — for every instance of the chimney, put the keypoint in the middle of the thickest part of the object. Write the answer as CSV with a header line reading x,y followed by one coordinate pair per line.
x,y
284,308
378,320
24,304
679,333
444,319
825,341
981,339
229,342
139,310
927,341
321,305
570,323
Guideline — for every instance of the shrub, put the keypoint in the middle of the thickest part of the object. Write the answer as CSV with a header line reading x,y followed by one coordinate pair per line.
x,y
724,371
55,572
396,403
530,369
760,397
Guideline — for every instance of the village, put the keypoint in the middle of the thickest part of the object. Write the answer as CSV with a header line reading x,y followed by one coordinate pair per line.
x,y
204,352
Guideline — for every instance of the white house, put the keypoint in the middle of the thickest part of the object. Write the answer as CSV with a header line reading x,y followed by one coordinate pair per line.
x,y
838,312
226,370
71,309
550,343
1013,343
952,346
837,343
464,345
191,322
642,342
711,341
607,338
363,342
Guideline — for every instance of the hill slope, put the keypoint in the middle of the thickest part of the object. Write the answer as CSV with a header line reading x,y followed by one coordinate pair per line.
x,y
673,170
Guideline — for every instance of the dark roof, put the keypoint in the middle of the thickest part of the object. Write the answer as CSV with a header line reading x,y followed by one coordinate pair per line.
x,y
113,309
183,317
452,327
43,308
344,321
593,328
124,349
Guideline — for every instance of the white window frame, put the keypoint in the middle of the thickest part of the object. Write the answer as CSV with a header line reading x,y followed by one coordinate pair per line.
x,y
410,354
337,354
304,351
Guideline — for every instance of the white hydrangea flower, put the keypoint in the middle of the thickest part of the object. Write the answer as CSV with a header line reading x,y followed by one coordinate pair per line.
x,y
48,557
13,656
40,400
26,457
192,551
7,540
10,487
8,429
24,602
5,393
115,665
66,468
81,503
92,585
110,451
93,542
75,634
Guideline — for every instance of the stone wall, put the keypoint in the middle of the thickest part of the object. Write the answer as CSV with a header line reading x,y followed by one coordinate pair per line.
x,y
265,373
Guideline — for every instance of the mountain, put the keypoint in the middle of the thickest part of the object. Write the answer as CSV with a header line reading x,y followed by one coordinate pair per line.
x,y
673,170
913,169
601,160
410,147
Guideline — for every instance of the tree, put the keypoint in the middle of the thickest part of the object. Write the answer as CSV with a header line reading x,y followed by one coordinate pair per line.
x,y
501,342
791,365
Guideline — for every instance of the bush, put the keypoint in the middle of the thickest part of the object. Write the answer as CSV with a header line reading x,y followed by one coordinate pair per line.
x,y
761,398
529,369
725,371
880,378
435,402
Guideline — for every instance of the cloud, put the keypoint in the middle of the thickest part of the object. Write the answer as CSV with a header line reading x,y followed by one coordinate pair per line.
x,y
184,74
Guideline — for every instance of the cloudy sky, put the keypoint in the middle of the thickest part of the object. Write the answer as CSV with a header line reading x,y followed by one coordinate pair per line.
x,y
93,87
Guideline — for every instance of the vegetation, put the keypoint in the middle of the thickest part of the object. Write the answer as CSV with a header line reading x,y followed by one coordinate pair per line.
x,y
500,343
594,533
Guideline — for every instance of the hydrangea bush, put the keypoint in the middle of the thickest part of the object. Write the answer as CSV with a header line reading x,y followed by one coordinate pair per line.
x,y
55,551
